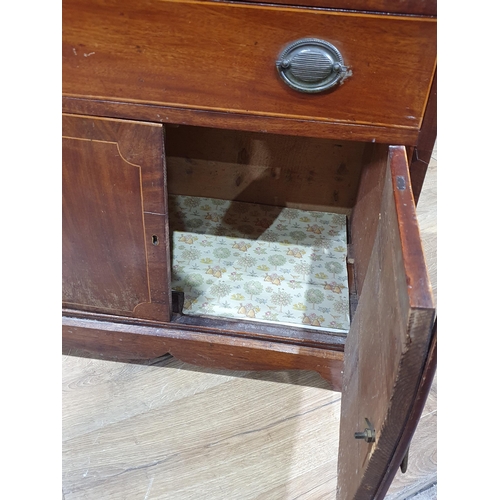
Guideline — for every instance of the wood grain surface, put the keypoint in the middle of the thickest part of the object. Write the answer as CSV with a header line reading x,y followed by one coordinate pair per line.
x,y
113,207
168,430
419,7
118,341
387,344
400,457
303,173
364,220
421,154
422,468
240,121
222,56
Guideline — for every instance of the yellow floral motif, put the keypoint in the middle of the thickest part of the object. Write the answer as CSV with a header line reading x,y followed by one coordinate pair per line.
x,y
242,245
188,303
249,310
312,319
314,229
212,217
216,271
187,239
320,276
296,253
274,279
334,287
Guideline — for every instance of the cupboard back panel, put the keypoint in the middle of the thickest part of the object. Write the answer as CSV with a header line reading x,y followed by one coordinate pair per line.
x,y
296,172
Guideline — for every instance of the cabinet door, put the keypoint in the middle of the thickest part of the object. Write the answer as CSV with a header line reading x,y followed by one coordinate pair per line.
x,y
390,337
115,235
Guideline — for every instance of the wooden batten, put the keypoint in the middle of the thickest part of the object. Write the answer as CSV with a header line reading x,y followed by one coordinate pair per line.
x,y
365,215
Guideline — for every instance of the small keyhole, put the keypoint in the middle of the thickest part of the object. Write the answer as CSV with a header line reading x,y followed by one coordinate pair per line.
x,y
154,239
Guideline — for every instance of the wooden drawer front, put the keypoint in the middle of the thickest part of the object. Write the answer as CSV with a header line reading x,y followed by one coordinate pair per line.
x,y
114,224
216,56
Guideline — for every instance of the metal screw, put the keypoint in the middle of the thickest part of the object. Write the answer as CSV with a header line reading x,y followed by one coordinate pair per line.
x,y
368,434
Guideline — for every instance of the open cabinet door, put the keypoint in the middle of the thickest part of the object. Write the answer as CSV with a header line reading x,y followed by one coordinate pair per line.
x,y
389,342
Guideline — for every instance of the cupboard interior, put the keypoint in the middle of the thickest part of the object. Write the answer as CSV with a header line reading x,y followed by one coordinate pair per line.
x,y
261,229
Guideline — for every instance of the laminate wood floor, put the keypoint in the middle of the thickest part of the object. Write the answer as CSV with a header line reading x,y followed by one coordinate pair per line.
x,y
167,430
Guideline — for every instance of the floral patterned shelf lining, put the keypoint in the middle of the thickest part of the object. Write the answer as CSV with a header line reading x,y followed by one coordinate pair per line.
x,y
262,263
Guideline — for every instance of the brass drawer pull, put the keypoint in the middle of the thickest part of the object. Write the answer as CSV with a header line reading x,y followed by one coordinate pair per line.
x,y
311,65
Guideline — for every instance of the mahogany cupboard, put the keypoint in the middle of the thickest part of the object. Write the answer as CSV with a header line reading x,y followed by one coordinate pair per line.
x,y
239,185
